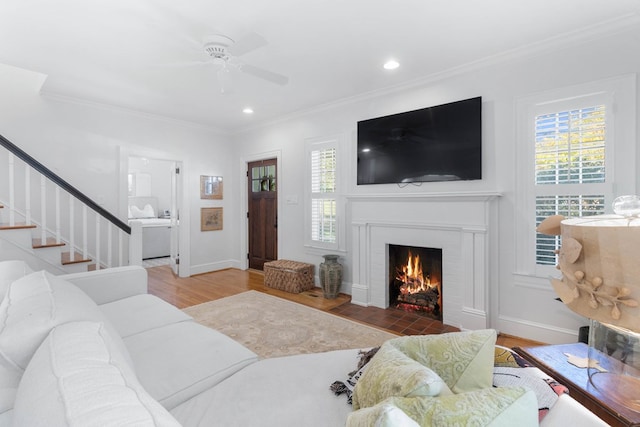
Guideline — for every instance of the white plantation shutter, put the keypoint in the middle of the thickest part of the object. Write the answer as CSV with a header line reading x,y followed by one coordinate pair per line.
x,y
576,152
323,195
570,158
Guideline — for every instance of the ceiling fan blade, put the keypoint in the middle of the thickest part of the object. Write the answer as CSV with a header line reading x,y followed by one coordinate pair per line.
x,y
261,73
247,44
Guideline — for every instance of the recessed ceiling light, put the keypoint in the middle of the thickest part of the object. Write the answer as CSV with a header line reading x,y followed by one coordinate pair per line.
x,y
391,65
248,110
366,150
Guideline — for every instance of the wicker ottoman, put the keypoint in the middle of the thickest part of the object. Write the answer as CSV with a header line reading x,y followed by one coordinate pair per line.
x,y
290,276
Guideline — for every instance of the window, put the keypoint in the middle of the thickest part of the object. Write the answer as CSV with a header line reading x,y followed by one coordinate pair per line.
x,y
570,148
576,153
323,228
323,201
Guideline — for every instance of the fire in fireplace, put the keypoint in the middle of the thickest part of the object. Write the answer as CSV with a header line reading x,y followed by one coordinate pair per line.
x,y
415,279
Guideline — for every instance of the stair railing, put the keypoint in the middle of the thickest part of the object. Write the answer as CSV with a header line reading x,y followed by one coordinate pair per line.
x,y
106,226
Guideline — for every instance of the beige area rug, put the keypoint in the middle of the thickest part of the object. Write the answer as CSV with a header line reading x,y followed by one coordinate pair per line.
x,y
273,327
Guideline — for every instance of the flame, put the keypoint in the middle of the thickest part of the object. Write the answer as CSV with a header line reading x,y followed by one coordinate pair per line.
x,y
412,276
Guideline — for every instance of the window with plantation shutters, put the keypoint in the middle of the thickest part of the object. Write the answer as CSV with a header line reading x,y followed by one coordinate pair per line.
x,y
323,197
575,153
570,162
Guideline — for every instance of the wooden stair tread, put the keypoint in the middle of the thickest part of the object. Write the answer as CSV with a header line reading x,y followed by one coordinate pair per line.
x,y
50,243
16,226
77,258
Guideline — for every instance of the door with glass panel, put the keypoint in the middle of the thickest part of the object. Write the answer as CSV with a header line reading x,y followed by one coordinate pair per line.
x,y
263,213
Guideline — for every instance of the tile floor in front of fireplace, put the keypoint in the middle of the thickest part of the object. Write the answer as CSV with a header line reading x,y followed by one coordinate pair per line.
x,y
393,319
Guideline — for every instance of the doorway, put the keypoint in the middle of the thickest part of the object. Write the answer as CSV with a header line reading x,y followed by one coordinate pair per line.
x,y
156,183
262,212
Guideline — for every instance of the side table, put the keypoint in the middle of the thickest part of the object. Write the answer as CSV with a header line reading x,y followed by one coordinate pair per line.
x,y
552,360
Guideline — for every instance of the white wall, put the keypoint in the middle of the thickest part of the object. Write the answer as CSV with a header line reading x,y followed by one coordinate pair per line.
x,y
528,311
87,145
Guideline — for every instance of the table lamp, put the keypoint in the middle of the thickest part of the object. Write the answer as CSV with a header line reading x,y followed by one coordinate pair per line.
x,y
600,264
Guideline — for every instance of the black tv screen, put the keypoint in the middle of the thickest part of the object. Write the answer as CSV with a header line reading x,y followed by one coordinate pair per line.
x,y
441,143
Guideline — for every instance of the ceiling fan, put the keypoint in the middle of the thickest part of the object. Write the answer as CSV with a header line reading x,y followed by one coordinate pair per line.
x,y
223,52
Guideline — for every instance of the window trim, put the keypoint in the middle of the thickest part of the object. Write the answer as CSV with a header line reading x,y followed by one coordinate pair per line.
x,y
314,144
619,96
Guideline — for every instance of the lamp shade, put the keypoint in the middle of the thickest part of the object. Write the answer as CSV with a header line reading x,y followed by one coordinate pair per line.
x,y
600,264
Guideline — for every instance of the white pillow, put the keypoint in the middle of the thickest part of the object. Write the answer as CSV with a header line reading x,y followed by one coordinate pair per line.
x,y
10,271
33,306
146,212
79,377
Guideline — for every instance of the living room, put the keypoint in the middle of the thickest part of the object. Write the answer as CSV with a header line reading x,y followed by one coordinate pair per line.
x,y
87,143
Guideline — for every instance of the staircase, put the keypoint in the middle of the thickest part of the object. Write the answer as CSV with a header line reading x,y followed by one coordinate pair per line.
x,y
28,206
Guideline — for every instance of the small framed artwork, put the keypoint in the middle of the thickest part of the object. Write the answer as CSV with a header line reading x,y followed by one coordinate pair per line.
x,y
210,219
210,187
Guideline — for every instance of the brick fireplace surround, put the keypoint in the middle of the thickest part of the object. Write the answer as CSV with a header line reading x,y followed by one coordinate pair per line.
x,y
458,223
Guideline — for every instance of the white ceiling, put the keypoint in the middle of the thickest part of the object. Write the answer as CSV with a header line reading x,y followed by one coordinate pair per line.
x,y
128,53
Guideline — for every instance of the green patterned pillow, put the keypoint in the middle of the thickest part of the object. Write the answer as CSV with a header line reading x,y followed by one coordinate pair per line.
x,y
491,407
392,373
464,360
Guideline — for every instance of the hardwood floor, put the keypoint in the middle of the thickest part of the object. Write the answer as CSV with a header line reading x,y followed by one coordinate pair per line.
x,y
185,292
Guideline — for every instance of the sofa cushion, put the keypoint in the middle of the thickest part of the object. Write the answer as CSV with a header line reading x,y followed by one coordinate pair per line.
x,y
282,391
178,361
140,313
78,376
391,372
11,271
33,306
491,407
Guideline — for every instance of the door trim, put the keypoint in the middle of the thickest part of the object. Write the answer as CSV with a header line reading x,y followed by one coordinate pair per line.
x,y
244,200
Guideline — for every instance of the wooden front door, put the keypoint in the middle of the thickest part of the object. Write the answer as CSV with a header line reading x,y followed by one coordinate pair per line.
x,y
263,213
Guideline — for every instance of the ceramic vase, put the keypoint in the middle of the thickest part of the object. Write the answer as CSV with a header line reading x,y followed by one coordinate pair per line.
x,y
330,276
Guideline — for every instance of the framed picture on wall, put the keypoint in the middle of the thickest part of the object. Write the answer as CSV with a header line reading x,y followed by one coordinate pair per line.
x,y
210,219
210,187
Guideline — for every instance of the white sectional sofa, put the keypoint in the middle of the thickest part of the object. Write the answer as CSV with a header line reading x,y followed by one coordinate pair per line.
x,y
96,349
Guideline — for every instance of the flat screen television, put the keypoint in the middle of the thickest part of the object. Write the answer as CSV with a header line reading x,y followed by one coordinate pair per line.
x,y
440,143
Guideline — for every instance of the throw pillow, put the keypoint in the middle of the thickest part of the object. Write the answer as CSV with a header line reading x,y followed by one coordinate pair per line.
x,y
491,407
464,360
391,372
79,377
346,387
385,414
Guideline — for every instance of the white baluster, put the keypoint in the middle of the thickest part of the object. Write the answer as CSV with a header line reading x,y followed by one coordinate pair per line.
x,y
58,221
85,245
109,244
12,197
27,194
120,246
72,241
43,210
97,241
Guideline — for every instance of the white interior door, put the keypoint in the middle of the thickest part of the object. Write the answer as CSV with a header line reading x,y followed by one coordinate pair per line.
x,y
176,184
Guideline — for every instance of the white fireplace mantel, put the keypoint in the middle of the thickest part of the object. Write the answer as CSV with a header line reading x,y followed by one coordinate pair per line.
x,y
457,223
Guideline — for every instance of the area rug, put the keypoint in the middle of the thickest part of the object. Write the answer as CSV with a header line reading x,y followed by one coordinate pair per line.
x,y
273,327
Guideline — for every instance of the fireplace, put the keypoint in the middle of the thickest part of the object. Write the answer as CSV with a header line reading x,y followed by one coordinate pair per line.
x,y
415,279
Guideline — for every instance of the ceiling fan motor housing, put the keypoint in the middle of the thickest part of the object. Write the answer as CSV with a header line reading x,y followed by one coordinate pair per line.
x,y
217,46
